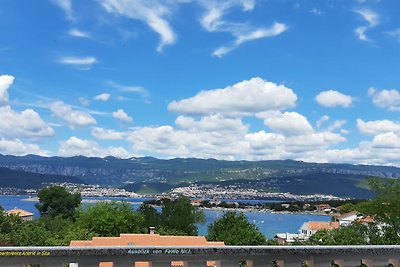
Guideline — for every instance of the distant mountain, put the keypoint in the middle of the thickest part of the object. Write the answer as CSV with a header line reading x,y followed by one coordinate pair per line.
x,y
27,180
113,171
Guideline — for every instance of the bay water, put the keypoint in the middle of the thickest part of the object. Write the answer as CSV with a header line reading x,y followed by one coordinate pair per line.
x,y
267,222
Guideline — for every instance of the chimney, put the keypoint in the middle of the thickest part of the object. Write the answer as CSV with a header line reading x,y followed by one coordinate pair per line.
x,y
152,230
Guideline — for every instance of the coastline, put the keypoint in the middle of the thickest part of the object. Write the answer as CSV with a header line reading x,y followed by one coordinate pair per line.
x,y
266,211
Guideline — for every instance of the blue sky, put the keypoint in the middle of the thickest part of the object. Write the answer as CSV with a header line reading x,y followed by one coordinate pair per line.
x,y
309,80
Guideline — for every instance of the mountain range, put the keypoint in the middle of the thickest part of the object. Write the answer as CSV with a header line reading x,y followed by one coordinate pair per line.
x,y
277,175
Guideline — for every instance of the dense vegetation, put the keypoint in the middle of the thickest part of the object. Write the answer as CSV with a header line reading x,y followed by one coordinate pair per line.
x,y
63,219
384,209
234,229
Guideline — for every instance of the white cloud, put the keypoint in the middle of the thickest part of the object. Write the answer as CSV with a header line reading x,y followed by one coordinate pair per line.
x,y
371,17
316,11
288,123
213,123
26,124
121,115
74,118
388,140
5,82
244,98
107,134
337,124
154,13
333,98
213,21
84,63
84,101
377,127
102,97
78,33
395,34
322,120
216,136
388,99
129,89
75,146
18,148
66,6
274,30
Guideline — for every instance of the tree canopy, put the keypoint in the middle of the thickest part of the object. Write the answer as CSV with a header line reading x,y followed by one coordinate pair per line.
x,y
110,219
384,209
180,215
57,201
234,229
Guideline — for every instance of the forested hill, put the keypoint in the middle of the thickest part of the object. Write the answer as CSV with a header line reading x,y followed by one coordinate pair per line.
x,y
117,172
27,180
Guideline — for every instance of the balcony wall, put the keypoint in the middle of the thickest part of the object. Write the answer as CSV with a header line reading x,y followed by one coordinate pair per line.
x,y
229,256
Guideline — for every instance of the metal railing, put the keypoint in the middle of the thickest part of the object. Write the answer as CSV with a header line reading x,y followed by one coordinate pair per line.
x,y
228,256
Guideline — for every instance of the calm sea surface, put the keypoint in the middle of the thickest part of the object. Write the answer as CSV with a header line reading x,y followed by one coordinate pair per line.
x,y
268,223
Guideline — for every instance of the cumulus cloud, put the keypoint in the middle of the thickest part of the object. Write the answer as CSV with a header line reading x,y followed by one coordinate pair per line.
x,y
121,115
18,148
213,123
24,124
75,146
377,127
371,17
5,82
74,118
216,136
102,97
288,123
154,13
332,98
107,134
83,63
388,99
244,98
213,21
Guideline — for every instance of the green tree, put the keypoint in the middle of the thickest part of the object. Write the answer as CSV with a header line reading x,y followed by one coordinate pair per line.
x,y
180,216
9,224
57,201
151,216
355,234
234,229
385,207
110,219
348,207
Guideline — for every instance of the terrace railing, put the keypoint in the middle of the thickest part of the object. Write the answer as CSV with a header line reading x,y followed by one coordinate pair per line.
x,y
228,256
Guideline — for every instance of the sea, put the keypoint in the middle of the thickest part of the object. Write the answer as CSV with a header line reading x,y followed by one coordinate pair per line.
x,y
268,223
